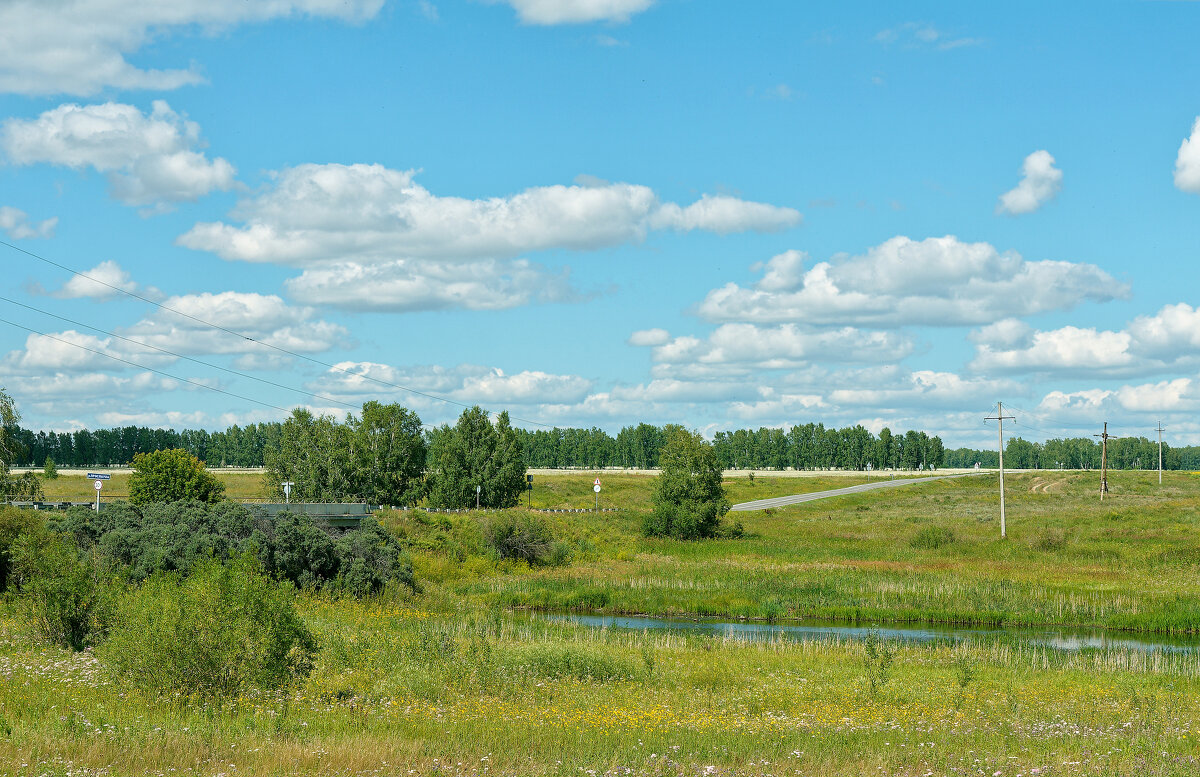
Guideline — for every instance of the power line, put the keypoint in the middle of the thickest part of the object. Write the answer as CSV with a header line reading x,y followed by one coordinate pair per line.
x,y
237,334
178,355
141,366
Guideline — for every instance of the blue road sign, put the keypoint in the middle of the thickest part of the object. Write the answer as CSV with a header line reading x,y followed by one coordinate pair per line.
x,y
98,476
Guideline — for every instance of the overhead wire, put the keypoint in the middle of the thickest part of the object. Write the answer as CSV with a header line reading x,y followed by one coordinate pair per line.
x,y
178,355
141,366
234,333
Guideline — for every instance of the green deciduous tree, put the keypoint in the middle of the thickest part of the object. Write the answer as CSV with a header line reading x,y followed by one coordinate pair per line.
x,y
689,498
171,476
475,452
378,458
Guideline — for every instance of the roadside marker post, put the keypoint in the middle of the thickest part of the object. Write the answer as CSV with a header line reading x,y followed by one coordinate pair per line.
x,y
98,478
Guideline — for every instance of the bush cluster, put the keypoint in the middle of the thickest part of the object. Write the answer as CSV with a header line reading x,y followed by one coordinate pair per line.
x,y
214,634
178,537
67,598
524,536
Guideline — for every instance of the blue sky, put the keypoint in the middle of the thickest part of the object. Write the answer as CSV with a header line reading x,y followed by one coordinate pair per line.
x,y
599,212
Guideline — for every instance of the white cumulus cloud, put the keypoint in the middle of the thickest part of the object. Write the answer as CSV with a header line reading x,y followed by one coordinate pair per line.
x,y
79,47
265,318
1040,181
320,213
16,224
1187,163
1166,340
650,337
782,347
550,12
148,159
369,236
466,383
104,280
937,282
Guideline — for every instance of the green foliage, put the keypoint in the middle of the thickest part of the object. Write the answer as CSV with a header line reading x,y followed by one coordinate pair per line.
x,y
932,538
49,471
180,537
584,663
222,630
878,654
689,498
171,476
523,536
378,459
163,537
475,453
67,599
14,524
27,486
369,557
300,551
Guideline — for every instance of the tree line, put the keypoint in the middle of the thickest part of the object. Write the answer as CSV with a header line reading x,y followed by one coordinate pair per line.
x,y
1079,453
803,446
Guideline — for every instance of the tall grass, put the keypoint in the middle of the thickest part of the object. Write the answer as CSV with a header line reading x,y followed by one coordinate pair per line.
x,y
398,688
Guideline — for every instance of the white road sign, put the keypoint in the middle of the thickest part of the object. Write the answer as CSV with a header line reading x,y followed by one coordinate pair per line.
x,y
99,484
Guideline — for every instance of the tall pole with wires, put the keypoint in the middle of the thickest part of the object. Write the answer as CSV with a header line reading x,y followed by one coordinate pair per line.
x,y
1104,438
1000,417
1160,430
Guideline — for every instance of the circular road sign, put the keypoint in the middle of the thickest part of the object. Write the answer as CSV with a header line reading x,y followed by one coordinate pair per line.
x,y
596,488
99,484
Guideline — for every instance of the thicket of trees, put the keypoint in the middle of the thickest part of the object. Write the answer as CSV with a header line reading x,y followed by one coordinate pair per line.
x,y
378,457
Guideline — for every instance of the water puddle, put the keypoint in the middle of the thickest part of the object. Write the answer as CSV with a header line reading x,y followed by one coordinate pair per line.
x,y
1060,639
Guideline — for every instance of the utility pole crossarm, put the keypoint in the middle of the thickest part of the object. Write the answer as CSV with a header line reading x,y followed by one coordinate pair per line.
x,y
1001,418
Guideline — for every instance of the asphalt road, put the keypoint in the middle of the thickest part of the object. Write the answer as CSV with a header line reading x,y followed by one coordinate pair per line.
x,y
783,501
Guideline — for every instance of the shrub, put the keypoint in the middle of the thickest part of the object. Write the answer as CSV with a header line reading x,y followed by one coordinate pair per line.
x,y
214,635
49,470
519,536
369,557
14,524
932,538
67,599
301,551
1050,540
171,476
167,537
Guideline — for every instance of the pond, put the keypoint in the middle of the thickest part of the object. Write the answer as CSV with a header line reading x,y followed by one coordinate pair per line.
x,y
1058,638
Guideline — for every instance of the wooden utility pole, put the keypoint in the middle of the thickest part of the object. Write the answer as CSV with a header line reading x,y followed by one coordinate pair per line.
x,y
1104,438
1160,430
1000,417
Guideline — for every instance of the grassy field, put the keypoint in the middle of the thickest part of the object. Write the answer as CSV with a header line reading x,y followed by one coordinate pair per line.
x,y
401,690
463,679
928,552
566,490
